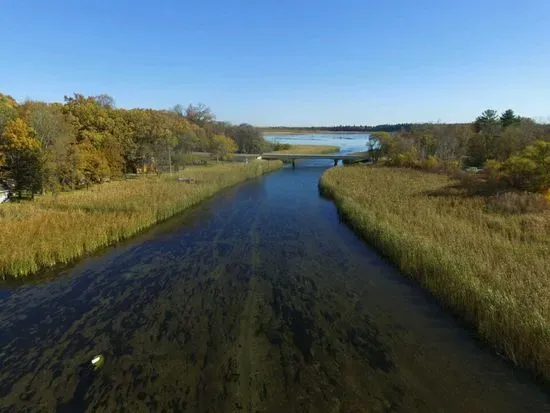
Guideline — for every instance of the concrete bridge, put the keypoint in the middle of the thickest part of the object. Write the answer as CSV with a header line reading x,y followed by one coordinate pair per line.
x,y
291,157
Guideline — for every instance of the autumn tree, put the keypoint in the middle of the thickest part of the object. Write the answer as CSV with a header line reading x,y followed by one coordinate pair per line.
x,y
8,109
222,146
101,128
55,137
530,169
21,152
199,114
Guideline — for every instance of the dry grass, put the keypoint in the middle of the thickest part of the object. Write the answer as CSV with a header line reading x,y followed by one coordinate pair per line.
x,y
310,149
491,269
54,230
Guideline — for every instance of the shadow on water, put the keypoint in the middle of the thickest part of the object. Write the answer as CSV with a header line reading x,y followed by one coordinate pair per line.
x,y
259,300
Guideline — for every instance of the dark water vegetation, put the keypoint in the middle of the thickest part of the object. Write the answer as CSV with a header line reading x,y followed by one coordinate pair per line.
x,y
57,228
485,258
259,300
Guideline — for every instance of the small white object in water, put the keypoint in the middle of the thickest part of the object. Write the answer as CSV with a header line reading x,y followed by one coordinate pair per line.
x,y
97,361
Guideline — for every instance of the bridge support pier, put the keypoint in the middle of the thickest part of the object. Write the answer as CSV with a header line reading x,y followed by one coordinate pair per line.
x,y
336,162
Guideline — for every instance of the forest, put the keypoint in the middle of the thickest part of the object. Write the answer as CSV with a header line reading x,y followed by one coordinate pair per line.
x,y
507,150
51,147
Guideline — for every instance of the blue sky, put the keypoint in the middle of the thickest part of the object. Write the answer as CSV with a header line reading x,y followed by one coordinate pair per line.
x,y
285,62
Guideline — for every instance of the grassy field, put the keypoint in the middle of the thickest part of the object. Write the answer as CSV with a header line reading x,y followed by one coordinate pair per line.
x,y
310,149
492,270
58,229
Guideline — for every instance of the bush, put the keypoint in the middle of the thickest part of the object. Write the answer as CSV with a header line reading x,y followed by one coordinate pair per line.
x,y
450,166
280,146
517,203
493,169
530,170
431,162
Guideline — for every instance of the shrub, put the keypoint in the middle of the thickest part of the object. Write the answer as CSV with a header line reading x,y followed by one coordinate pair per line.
x,y
277,146
450,166
530,169
431,162
493,169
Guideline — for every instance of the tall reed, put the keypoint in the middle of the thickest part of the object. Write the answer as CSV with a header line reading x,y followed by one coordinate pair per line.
x,y
491,269
310,149
58,229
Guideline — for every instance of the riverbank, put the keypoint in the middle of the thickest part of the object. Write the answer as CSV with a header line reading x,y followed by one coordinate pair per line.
x,y
309,149
58,229
488,268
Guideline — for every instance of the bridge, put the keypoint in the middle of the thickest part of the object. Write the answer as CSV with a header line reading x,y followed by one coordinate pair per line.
x,y
291,157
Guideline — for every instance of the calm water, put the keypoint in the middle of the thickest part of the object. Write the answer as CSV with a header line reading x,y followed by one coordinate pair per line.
x,y
258,301
348,142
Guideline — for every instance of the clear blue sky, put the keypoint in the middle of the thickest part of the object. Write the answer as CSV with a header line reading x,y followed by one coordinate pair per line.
x,y
285,62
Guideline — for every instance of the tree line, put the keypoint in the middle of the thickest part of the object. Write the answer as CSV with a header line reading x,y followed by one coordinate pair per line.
x,y
393,127
86,139
508,147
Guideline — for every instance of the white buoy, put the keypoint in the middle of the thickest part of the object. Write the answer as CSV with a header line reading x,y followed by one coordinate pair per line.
x,y
98,361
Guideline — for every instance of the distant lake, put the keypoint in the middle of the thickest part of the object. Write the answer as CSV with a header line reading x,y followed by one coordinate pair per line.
x,y
348,142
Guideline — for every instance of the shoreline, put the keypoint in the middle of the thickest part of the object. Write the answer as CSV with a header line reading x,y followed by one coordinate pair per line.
x,y
450,262
78,223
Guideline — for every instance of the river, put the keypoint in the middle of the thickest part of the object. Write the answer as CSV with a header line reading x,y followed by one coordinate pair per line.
x,y
258,300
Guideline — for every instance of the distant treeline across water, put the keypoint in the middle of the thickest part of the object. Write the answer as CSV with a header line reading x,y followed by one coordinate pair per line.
x,y
342,128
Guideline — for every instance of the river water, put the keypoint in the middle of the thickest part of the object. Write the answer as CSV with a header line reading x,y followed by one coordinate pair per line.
x,y
258,300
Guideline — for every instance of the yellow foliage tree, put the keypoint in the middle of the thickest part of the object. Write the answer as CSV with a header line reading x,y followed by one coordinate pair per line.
x,y
21,155
222,146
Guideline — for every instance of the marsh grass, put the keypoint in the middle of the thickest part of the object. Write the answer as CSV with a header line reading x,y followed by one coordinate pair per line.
x,y
310,149
492,269
57,229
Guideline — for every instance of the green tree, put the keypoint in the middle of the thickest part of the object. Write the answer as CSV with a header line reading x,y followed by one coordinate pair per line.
x,y
488,121
509,118
483,144
248,138
379,144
